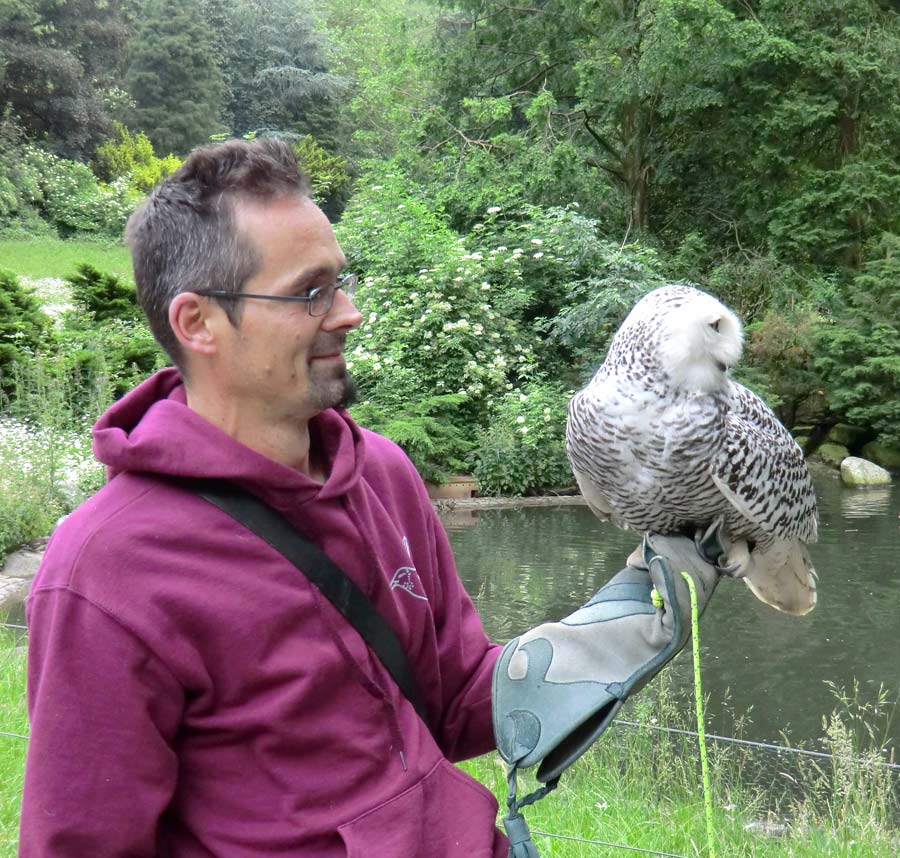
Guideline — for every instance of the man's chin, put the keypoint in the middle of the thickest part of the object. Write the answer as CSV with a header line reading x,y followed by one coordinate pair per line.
x,y
337,392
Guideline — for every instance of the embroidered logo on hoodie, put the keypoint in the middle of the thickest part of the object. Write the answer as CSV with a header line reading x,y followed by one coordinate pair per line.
x,y
407,578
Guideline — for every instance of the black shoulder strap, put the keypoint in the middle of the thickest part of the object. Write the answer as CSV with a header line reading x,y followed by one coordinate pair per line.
x,y
329,578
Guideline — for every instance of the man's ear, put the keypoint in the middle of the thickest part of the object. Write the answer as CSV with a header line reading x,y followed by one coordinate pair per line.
x,y
190,316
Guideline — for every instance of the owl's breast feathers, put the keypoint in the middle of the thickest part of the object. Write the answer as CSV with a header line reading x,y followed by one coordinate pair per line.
x,y
647,449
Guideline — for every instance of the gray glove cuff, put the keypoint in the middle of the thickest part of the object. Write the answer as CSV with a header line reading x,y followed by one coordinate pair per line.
x,y
557,687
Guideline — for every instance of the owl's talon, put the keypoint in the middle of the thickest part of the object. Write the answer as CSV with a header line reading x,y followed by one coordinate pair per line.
x,y
737,561
732,570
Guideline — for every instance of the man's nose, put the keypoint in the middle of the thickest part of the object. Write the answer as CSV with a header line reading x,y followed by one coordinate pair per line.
x,y
343,313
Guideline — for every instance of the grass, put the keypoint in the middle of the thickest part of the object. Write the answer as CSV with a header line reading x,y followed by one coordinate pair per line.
x,y
12,751
52,257
641,788
635,787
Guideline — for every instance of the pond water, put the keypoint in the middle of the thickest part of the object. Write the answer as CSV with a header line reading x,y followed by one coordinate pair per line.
x,y
525,566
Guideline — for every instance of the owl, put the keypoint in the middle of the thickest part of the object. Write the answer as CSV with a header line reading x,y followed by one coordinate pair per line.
x,y
662,439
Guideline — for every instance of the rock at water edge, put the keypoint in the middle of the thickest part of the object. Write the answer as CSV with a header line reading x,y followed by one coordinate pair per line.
x,y
861,472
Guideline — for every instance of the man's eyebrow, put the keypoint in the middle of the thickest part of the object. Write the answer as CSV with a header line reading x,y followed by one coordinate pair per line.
x,y
308,277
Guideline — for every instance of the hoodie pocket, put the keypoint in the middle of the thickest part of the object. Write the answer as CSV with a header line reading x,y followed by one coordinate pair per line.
x,y
447,814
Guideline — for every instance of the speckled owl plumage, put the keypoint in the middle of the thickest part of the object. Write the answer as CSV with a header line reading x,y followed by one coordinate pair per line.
x,y
661,439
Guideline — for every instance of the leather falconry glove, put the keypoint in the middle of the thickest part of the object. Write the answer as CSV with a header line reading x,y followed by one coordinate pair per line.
x,y
557,687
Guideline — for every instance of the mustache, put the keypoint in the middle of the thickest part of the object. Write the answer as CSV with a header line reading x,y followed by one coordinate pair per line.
x,y
329,345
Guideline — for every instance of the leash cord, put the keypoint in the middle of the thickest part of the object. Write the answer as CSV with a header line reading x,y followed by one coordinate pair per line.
x,y
701,731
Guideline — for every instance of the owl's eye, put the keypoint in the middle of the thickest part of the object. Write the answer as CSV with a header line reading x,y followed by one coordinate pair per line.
x,y
715,325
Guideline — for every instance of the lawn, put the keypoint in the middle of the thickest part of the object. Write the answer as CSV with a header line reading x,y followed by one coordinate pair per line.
x,y
635,788
12,749
52,257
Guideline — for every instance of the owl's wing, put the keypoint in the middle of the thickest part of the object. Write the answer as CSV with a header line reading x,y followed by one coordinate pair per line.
x,y
762,473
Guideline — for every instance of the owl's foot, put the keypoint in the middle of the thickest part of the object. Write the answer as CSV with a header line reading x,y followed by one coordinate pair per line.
x,y
737,560
731,558
636,558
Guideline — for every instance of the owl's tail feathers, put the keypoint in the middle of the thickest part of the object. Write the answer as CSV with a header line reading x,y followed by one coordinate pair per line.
x,y
782,575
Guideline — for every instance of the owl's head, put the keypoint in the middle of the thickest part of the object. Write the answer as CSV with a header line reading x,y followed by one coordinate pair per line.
x,y
697,338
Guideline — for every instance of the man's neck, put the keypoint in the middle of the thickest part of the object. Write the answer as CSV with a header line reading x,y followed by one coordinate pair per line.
x,y
286,441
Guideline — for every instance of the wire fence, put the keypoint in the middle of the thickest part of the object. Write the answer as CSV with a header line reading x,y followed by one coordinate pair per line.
x,y
764,746
609,845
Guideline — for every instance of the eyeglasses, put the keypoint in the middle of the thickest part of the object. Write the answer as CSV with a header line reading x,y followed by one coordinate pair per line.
x,y
319,299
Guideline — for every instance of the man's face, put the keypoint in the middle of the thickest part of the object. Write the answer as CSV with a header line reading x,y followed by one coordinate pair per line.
x,y
280,359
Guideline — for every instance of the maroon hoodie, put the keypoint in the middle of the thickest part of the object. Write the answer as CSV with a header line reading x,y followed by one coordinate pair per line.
x,y
191,694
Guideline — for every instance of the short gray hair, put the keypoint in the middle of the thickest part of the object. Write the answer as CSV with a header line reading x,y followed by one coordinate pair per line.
x,y
184,236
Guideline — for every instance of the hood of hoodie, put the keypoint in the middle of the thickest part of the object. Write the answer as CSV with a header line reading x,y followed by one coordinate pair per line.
x,y
152,430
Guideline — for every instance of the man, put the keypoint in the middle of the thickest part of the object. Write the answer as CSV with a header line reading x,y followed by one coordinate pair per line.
x,y
191,693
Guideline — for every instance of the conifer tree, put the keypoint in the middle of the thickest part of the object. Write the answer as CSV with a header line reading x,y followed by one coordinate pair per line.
x,y
174,77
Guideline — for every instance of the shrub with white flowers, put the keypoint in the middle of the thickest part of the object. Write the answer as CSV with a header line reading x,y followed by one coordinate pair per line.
x,y
523,447
70,197
431,320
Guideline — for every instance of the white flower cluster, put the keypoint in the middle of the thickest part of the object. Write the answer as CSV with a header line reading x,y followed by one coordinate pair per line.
x,y
54,294
60,461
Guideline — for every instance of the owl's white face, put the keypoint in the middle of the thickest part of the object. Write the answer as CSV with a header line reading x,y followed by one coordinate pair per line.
x,y
700,340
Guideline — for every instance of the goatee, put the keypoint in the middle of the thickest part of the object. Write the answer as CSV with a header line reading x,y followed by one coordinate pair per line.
x,y
350,392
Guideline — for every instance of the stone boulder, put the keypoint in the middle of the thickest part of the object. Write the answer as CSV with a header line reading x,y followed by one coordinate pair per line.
x,y
15,577
803,441
847,435
831,454
881,454
861,472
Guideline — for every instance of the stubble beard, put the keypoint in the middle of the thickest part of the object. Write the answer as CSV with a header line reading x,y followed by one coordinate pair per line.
x,y
337,392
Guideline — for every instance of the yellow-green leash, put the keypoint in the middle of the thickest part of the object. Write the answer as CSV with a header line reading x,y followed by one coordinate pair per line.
x,y
698,695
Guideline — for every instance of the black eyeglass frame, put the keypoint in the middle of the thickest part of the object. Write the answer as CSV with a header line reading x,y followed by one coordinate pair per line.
x,y
347,283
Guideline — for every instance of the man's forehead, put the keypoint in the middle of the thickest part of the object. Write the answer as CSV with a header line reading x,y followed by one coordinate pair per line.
x,y
291,227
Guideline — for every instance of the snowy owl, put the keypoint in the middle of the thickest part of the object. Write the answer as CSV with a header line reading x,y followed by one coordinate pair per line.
x,y
661,439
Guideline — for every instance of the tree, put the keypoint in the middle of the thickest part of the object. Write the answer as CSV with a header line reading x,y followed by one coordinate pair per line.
x,y
602,75
23,327
59,63
384,50
795,157
275,60
859,349
174,77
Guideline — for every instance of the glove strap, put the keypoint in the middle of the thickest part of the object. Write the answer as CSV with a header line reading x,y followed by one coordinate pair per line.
x,y
520,843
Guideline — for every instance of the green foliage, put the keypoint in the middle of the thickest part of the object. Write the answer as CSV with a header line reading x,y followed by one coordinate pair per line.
x,y
779,364
46,466
132,157
425,429
23,327
100,362
103,295
68,195
13,719
861,366
597,303
792,159
60,65
432,318
427,301
174,76
510,170
275,59
383,49
328,173
522,450
859,345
